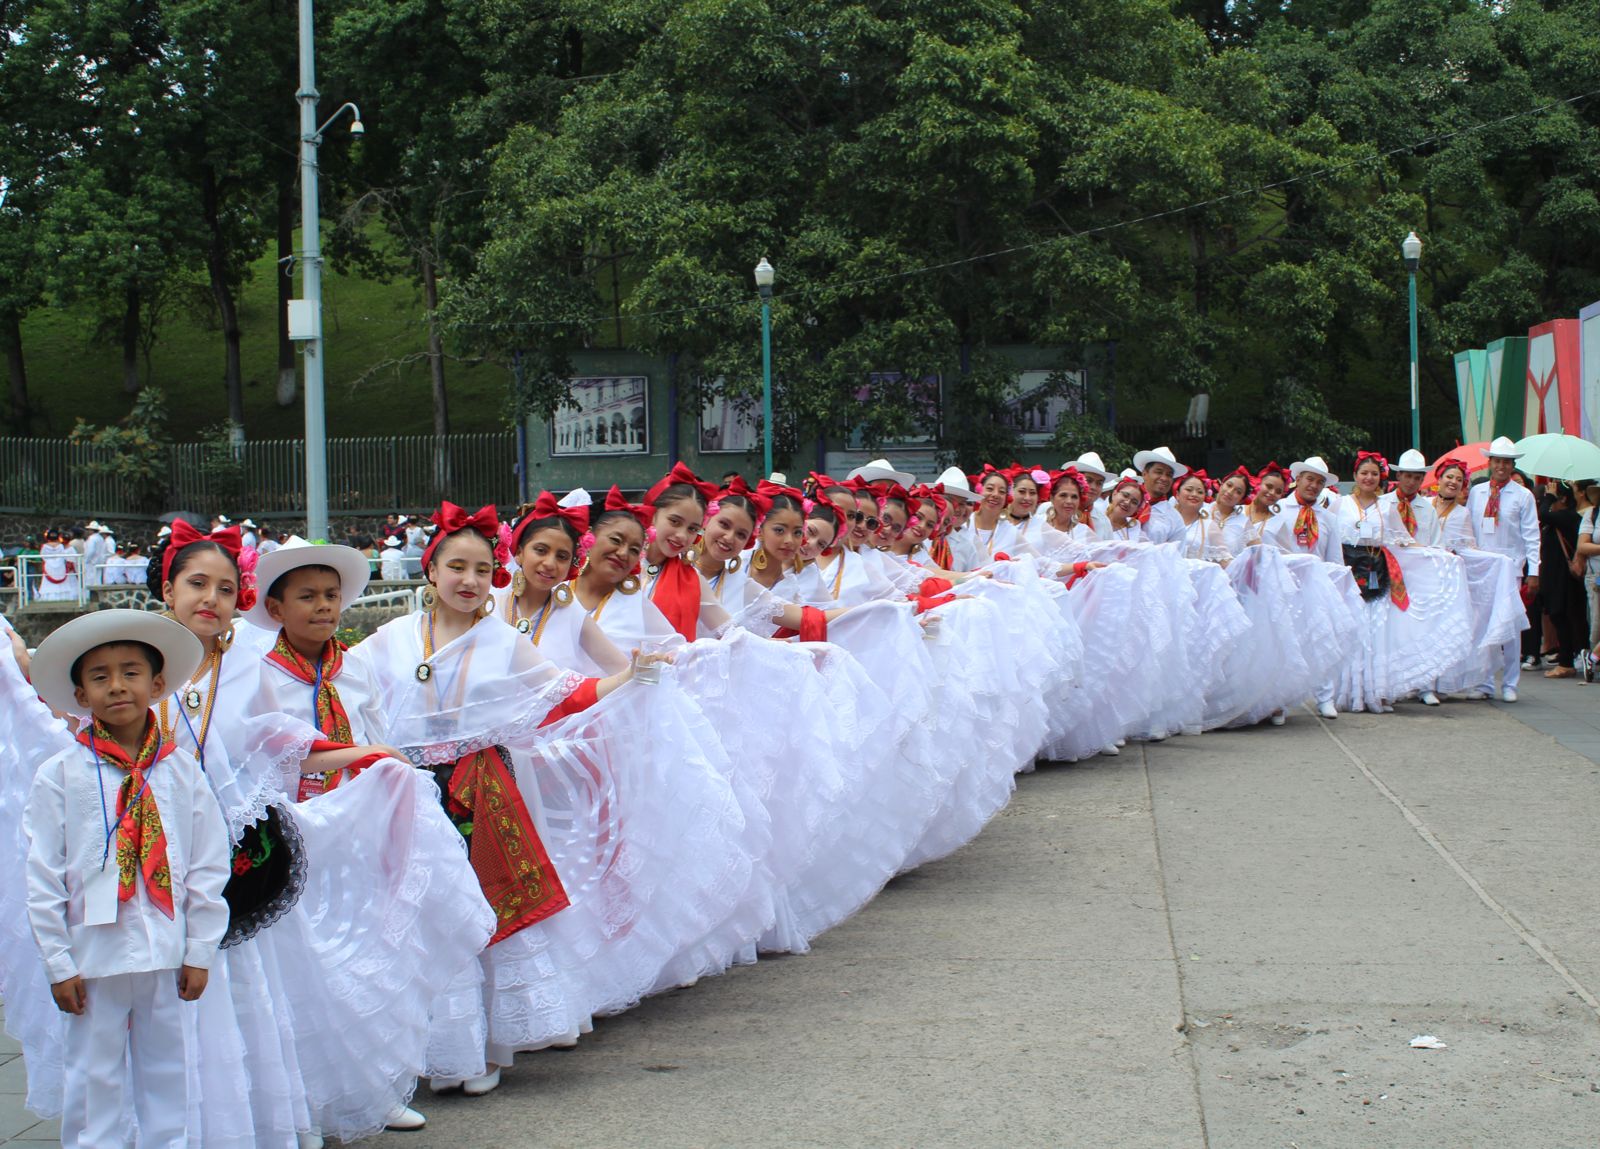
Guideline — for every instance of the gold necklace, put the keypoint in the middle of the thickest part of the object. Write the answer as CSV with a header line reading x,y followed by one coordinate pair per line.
x,y
192,700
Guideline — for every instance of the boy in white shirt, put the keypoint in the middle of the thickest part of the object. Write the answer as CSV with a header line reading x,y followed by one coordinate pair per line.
x,y
127,859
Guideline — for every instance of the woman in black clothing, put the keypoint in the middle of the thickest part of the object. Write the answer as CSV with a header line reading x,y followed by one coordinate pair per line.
x,y
1560,593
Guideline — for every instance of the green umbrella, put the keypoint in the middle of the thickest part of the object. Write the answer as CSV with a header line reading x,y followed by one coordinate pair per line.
x,y
1559,457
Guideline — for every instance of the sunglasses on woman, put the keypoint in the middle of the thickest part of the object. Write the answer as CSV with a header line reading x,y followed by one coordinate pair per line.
x,y
862,516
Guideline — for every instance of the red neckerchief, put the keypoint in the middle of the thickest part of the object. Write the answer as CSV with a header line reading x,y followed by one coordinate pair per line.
x,y
1407,515
1491,509
331,717
141,839
1306,528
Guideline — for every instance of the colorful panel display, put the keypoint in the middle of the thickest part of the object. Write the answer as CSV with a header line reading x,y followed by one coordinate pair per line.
x,y
1554,395
1472,386
1589,353
1506,384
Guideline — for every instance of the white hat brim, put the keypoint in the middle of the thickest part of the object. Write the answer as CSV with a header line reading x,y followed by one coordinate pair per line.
x,y
51,669
354,573
872,473
1143,459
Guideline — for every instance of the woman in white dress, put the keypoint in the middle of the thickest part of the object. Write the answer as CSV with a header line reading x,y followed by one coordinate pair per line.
x,y
58,575
1245,529
1127,499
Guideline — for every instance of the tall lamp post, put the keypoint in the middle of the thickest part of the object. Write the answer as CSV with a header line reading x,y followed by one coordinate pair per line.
x,y
305,314
1411,248
764,277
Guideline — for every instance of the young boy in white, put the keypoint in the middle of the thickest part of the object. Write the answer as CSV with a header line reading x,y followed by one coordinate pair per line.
x,y
128,856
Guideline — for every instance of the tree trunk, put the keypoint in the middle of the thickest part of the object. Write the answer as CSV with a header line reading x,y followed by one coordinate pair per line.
x,y
288,369
222,292
130,341
17,369
441,408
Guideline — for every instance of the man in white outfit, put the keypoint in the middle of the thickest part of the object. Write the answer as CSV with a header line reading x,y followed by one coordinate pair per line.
x,y
1158,469
1408,519
953,485
1505,520
1305,525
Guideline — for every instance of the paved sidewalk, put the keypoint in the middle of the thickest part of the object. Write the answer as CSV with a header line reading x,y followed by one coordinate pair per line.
x,y
1223,941
1566,709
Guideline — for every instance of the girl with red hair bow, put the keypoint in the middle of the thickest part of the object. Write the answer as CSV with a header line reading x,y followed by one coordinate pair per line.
x,y
1126,501
990,530
540,603
1245,529
1068,513
1360,516
467,697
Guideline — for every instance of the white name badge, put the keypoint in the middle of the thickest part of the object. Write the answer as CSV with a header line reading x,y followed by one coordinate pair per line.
x,y
100,896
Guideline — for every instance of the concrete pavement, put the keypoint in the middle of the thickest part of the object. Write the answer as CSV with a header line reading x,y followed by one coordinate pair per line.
x,y
1218,941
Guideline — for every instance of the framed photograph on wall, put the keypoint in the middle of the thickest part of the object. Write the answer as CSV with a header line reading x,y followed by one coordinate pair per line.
x,y
1037,400
606,415
729,425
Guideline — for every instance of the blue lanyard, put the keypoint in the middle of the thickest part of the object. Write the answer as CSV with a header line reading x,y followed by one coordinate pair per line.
x,y
105,817
316,693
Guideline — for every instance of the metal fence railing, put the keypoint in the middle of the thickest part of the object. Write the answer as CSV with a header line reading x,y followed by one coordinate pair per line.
x,y
265,477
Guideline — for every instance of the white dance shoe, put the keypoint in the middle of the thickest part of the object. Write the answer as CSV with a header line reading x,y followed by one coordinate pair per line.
x,y
1327,710
405,1119
478,1086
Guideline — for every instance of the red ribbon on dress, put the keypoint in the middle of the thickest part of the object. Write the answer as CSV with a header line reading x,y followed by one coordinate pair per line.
x,y
1397,580
547,506
679,474
676,593
932,593
141,838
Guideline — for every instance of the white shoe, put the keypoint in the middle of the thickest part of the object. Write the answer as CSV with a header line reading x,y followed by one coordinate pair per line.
x,y
1428,698
1482,694
445,1084
1327,710
1508,695
1383,708
1122,742
405,1119
1279,718
309,1140
478,1086
1111,751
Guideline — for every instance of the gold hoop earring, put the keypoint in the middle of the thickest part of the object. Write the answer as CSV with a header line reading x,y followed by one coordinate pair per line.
x,y
629,585
562,594
430,599
519,584
759,563
487,608
225,639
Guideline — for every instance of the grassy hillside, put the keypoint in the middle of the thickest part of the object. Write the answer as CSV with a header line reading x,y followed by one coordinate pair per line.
x,y
365,323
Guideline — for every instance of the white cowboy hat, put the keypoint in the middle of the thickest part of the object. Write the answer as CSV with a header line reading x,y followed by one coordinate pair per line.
x,y
1128,473
954,483
879,471
224,520
1088,463
1503,448
251,525
577,497
1411,461
163,532
181,652
393,541
353,567
94,525
1316,466
401,520
780,478
1142,461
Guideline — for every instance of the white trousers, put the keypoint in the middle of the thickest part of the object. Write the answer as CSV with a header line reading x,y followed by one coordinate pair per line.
x,y
1511,665
130,1034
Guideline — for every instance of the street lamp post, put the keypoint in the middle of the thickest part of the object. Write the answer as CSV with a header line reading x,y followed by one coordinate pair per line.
x,y
1411,248
764,277
306,320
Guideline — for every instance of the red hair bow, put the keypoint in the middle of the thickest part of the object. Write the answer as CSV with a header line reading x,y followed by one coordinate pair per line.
x,y
547,506
451,519
1374,456
1274,469
183,534
679,474
820,482
771,490
617,501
